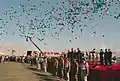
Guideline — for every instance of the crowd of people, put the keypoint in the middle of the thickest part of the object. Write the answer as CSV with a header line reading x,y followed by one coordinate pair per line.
x,y
7,58
70,66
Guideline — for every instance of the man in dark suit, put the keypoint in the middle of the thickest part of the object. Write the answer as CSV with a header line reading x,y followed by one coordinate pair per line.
x,y
109,57
101,56
75,55
71,55
79,55
68,54
106,57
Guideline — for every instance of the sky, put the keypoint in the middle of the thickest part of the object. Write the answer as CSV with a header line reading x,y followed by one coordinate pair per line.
x,y
108,26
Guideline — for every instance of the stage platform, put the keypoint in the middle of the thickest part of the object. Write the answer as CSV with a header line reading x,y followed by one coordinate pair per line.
x,y
103,73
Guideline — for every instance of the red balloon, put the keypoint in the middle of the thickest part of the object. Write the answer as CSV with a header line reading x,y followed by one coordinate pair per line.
x,y
44,52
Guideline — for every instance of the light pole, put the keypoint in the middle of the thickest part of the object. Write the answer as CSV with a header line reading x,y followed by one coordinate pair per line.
x,y
29,38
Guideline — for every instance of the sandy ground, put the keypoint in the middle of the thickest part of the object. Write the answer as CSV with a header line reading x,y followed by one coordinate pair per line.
x,y
10,71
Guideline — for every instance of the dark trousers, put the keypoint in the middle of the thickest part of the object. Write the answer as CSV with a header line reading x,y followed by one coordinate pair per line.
x,y
109,61
106,63
101,60
79,74
31,62
72,77
106,60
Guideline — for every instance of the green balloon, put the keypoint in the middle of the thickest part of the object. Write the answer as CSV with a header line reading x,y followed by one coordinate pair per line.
x,y
109,4
110,14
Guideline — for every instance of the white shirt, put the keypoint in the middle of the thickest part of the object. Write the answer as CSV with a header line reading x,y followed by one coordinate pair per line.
x,y
84,66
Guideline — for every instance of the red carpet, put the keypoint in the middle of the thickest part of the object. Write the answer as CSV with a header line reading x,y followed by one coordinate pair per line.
x,y
103,68
102,73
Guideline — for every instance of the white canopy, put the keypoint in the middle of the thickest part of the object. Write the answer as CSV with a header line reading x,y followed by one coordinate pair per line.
x,y
3,53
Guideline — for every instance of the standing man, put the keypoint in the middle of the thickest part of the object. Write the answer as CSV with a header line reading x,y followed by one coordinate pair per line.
x,y
93,52
45,64
71,55
60,67
75,54
101,56
68,54
55,66
73,71
79,55
40,63
66,69
84,70
106,57
109,57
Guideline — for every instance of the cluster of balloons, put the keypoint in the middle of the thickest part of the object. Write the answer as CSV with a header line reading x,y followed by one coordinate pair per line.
x,y
35,21
3,24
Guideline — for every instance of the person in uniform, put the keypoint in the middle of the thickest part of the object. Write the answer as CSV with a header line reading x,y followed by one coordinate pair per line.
x,y
60,67
84,70
55,66
45,64
74,71
66,69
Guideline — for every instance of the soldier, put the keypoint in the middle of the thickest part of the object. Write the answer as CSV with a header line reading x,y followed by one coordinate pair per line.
x,y
60,67
55,66
45,64
84,70
74,71
66,69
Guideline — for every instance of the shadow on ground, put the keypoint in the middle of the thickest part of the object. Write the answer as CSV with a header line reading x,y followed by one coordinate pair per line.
x,y
45,77
32,68
41,75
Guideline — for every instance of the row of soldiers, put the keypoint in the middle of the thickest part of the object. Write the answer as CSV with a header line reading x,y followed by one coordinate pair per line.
x,y
62,66
4,58
69,70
